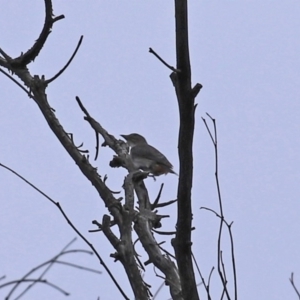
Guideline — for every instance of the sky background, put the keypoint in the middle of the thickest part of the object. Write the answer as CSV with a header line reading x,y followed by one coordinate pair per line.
x,y
246,56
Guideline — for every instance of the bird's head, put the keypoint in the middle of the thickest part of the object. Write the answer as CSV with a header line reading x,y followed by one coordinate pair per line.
x,y
134,139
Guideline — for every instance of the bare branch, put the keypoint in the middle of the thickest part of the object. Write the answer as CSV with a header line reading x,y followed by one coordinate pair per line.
x,y
165,251
153,206
221,267
206,286
124,246
182,82
29,183
17,83
293,285
118,146
158,290
33,52
57,204
50,263
164,232
159,58
34,280
163,263
95,251
67,64
165,203
78,267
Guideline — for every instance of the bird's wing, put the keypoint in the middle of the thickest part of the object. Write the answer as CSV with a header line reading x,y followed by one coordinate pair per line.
x,y
148,152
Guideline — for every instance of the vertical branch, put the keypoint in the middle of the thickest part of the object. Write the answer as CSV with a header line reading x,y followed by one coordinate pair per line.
x,y
221,266
182,40
181,79
221,269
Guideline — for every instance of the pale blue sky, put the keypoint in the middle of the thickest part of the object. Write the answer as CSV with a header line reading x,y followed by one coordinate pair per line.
x,y
246,56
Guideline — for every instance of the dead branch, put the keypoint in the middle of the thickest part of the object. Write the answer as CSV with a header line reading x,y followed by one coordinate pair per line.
x,y
57,204
186,101
30,55
160,59
293,285
33,280
67,64
221,267
48,264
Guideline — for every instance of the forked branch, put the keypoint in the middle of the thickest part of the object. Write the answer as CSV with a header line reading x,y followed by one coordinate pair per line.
x,y
57,204
47,266
221,266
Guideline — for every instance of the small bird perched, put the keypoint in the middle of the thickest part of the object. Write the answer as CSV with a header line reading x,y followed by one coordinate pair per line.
x,y
146,157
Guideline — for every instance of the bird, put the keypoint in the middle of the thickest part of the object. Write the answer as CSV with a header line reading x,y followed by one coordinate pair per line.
x,y
146,157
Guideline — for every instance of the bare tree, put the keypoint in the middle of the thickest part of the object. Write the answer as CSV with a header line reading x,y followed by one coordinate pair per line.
x,y
178,270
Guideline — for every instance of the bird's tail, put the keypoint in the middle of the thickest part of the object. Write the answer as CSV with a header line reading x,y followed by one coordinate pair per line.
x,y
173,172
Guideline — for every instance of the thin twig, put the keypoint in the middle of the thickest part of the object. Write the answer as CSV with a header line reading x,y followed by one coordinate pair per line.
x,y
209,278
158,290
88,116
33,186
215,143
167,65
82,107
202,278
97,145
50,264
35,280
212,139
67,64
5,56
78,267
221,268
163,204
94,250
57,204
17,83
293,285
167,252
153,206
224,273
233,261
